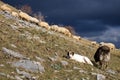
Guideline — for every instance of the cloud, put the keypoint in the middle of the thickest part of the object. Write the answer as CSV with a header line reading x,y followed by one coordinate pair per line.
x,y
84,8
110,35
67,11
76,12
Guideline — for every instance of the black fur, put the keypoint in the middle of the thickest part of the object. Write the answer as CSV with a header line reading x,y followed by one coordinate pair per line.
x,y
104,52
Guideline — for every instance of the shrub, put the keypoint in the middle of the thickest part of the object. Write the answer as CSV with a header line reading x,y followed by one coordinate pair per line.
x,y
26,8
71,29
39,16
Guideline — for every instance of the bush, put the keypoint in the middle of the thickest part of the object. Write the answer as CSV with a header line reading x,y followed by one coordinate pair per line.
x,y
26,8
39,16
71,29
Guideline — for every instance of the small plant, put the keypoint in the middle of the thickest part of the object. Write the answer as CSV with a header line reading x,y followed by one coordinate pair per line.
x,y
56,66
26,8
71,29
39,16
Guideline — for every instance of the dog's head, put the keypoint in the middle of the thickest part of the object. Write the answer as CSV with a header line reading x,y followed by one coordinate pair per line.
x,y
70,54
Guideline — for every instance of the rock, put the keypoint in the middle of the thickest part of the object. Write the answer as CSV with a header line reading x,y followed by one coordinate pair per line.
x,y
11,77
2,65
2,74
7,15
18,78
13,53
14,27
25,74
8,76
111,71
100,77
64,63
29,65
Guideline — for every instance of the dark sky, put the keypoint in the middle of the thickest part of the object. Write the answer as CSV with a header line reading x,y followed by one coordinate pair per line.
x,y
92,19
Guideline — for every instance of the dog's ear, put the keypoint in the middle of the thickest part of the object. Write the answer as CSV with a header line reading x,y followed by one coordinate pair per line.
x,y
68,54
72,53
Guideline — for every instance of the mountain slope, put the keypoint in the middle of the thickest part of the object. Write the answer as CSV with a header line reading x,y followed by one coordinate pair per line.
x,y
29,51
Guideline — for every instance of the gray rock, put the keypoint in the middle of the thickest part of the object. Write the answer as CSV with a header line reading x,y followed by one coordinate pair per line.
x,y
100,77
11,77
2,74
29,65
18,78
111,71
7,15
7,75
2,65
64,63
25,74
13,53
14,27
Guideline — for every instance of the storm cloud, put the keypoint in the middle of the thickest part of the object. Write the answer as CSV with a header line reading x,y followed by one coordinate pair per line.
x,y
110,35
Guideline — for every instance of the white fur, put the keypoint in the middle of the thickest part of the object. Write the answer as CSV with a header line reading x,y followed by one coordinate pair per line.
x,y
34,20
93,42
76,37
24,15
64,31
15,14
5,8
54,27
44,25
110,45
80,58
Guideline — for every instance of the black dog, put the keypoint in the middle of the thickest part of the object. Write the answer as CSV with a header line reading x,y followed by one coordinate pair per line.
x,y
102,56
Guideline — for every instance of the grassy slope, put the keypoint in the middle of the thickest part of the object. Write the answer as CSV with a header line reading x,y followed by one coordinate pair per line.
x,y
55,43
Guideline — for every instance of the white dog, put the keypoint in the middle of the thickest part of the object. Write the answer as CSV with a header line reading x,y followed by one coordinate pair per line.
x,y
79,58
